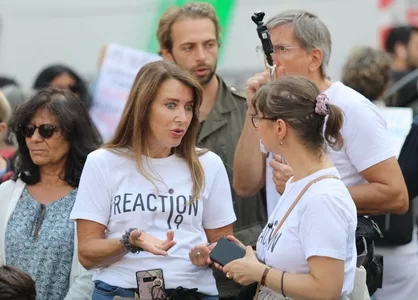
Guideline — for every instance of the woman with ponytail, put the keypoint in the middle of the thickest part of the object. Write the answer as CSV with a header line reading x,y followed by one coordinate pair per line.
x,y
307,249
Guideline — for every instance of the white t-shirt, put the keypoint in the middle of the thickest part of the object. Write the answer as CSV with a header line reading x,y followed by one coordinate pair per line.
x,y
272,196
366,142
112,192
323,223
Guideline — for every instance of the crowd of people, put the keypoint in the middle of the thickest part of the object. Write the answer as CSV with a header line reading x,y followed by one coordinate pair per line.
x,y
287,170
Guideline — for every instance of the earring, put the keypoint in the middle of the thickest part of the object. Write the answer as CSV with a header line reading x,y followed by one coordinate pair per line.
x,y
281,144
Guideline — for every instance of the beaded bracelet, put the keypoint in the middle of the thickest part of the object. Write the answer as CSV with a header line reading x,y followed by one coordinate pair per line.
x,y
127,244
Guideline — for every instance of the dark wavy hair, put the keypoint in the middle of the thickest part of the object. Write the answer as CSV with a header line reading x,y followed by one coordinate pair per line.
x,y
16,284
76,126
48,74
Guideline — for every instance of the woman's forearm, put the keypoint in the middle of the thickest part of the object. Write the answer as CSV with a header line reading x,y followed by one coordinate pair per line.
x,y
98,253
300,286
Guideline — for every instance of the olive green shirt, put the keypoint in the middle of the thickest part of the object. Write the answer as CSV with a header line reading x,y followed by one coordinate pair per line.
x,y
219,133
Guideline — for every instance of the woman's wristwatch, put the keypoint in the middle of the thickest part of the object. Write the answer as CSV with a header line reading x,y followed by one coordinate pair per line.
x,y
127,244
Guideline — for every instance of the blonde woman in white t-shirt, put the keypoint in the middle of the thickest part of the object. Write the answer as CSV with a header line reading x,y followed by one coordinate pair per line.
x,y
307,249
149,199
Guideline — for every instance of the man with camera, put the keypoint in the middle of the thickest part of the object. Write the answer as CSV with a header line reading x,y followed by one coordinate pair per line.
x,y
367,165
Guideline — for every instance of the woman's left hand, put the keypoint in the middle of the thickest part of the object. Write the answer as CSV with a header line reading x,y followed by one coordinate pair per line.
x,y
245,270
199,255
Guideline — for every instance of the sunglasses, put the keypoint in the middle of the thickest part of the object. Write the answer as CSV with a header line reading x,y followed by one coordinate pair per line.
x,y
45,130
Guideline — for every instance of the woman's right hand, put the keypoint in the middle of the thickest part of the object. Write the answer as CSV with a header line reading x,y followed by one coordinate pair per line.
x,y
200,255
152,244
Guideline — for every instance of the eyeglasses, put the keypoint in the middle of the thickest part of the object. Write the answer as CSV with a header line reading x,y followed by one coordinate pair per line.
x,y
38,222
277,49
45,130
256,120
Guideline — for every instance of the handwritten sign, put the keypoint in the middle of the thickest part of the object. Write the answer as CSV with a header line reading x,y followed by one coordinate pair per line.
x,y
117,74
398,121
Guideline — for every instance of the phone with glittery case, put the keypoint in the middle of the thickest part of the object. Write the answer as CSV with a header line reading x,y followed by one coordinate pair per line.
x,y
151,284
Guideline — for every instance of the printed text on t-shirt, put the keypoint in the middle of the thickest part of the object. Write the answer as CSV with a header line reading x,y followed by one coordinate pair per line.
x,y
176,205
267,235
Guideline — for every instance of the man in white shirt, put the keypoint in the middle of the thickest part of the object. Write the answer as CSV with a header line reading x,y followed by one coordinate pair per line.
x,y
367,165
400,272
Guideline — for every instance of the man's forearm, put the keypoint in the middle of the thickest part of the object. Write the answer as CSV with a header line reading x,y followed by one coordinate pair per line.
x,y
249,161
376,198
368,212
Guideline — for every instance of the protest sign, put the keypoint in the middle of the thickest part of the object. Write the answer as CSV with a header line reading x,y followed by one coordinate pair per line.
x,y
398,121
117,73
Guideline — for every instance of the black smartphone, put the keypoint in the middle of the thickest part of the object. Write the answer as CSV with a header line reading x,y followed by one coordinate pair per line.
x,y
226,251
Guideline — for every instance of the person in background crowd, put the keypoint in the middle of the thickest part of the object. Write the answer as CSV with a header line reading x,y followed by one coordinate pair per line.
x,y
54,134
310,245
367,71
15,95
16,285
190,36
150,184
402,43
63,77
6,81
6,150
366,163
11,89
408,160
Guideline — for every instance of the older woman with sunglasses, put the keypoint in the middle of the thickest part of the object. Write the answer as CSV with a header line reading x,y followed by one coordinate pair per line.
x,y
55,134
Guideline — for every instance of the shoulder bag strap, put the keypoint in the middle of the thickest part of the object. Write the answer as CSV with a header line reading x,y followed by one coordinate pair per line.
x,y
297,200
290,210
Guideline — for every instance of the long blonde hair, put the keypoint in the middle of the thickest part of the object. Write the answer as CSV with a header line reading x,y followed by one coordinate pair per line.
x,y
133,128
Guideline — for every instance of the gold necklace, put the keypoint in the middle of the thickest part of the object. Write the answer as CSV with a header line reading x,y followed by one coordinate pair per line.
x,y
315,166
313,169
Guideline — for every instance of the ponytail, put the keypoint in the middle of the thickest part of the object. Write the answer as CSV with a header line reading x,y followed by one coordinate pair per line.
x,y
333,127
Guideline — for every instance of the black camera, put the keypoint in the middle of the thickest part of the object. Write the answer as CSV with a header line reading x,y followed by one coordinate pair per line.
x,y
258,17
264,35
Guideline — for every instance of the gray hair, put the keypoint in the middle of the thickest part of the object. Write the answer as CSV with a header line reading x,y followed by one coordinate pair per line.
x,y
310,32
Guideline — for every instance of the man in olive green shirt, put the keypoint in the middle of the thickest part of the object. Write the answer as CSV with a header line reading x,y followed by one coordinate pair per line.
x,y
189,36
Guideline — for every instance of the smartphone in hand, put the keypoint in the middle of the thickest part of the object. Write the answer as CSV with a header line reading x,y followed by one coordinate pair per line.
x,y
226,251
